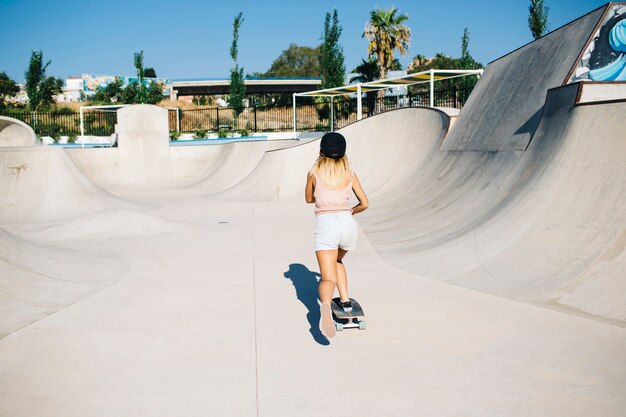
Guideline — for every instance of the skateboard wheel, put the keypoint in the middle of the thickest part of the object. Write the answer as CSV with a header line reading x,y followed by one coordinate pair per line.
x,y
339,327
362,325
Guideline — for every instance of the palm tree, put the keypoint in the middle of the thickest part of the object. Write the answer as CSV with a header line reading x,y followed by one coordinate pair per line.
x,y
386,32
367,71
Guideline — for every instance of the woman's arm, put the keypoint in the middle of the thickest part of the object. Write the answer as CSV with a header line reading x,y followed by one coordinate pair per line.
x,y
308,190
360,195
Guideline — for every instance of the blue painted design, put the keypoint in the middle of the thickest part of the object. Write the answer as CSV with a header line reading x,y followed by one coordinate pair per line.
x,y
611,72
617,37
616,70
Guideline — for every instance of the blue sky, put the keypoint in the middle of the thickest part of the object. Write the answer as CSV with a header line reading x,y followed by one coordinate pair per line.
x,y
191,38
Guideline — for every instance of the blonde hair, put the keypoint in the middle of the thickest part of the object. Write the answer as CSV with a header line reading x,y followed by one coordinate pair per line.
x,y
331,171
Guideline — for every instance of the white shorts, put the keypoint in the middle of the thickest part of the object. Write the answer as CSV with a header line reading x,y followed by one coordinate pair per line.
x,y
335,230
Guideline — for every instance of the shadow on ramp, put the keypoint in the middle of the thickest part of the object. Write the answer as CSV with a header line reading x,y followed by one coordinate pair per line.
x,y
305,283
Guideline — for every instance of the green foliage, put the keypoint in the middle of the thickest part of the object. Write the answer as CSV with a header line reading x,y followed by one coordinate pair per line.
x,y
222,133
131,94
142,92
234,51
149,72
154,93
340,108
8,89
466,58
443,61
538,18
237,85
112,93
62,110
244,132
367,71
40,88
201,101
54,131
331,55
321,127
200,134
99,123
296,61
237,90
175,135
138,61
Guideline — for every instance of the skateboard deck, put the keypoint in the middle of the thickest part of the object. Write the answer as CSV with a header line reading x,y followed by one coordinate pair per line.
x,y
348,320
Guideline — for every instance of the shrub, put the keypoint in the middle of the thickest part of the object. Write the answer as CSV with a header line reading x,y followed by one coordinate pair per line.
x,y
54,131
222,133
244,132
62,110
200,133
175,135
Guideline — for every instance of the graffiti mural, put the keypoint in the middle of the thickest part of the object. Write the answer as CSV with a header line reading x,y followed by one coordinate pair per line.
x,y
91,82
605,57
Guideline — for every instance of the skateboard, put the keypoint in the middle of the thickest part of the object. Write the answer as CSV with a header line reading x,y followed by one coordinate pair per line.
x,y
348,320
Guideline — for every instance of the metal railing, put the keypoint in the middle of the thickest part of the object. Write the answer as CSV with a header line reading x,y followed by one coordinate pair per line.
x,y
62,123
256,118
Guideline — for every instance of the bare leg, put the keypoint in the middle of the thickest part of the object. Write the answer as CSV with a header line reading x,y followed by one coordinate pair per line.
x,y
342,276
327,260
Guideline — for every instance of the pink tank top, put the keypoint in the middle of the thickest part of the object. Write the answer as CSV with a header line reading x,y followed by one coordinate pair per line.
x,y
332,201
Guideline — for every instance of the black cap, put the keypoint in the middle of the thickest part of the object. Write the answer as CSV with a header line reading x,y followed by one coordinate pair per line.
x,y
333,145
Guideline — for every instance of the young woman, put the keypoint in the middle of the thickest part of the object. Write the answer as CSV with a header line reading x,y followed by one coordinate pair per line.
x,y
329,185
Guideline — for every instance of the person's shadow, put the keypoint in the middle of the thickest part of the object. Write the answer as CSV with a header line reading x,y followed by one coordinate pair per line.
x,y
305,283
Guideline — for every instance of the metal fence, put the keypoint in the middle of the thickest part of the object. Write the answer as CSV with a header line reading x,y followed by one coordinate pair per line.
x,y
314,116
258,118
55,124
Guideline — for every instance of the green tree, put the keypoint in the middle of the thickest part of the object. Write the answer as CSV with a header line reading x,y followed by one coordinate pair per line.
x,y
149,73
296,61
332,60
40,88
466,59
140,93
332,67
386,32
112,93
538,18
131,93
369,71
8,89
237,83
154,93
138,61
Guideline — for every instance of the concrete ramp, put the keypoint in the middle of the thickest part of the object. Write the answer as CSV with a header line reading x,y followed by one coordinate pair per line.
x,y
382,149
536,226
41,184
504,109
491,261
542,226
14,132
36,281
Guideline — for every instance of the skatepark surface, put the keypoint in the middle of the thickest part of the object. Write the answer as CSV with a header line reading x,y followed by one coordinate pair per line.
x,y
146,280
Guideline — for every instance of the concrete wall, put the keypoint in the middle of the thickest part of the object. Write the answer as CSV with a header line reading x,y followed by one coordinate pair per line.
x,y
14,132
143,141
